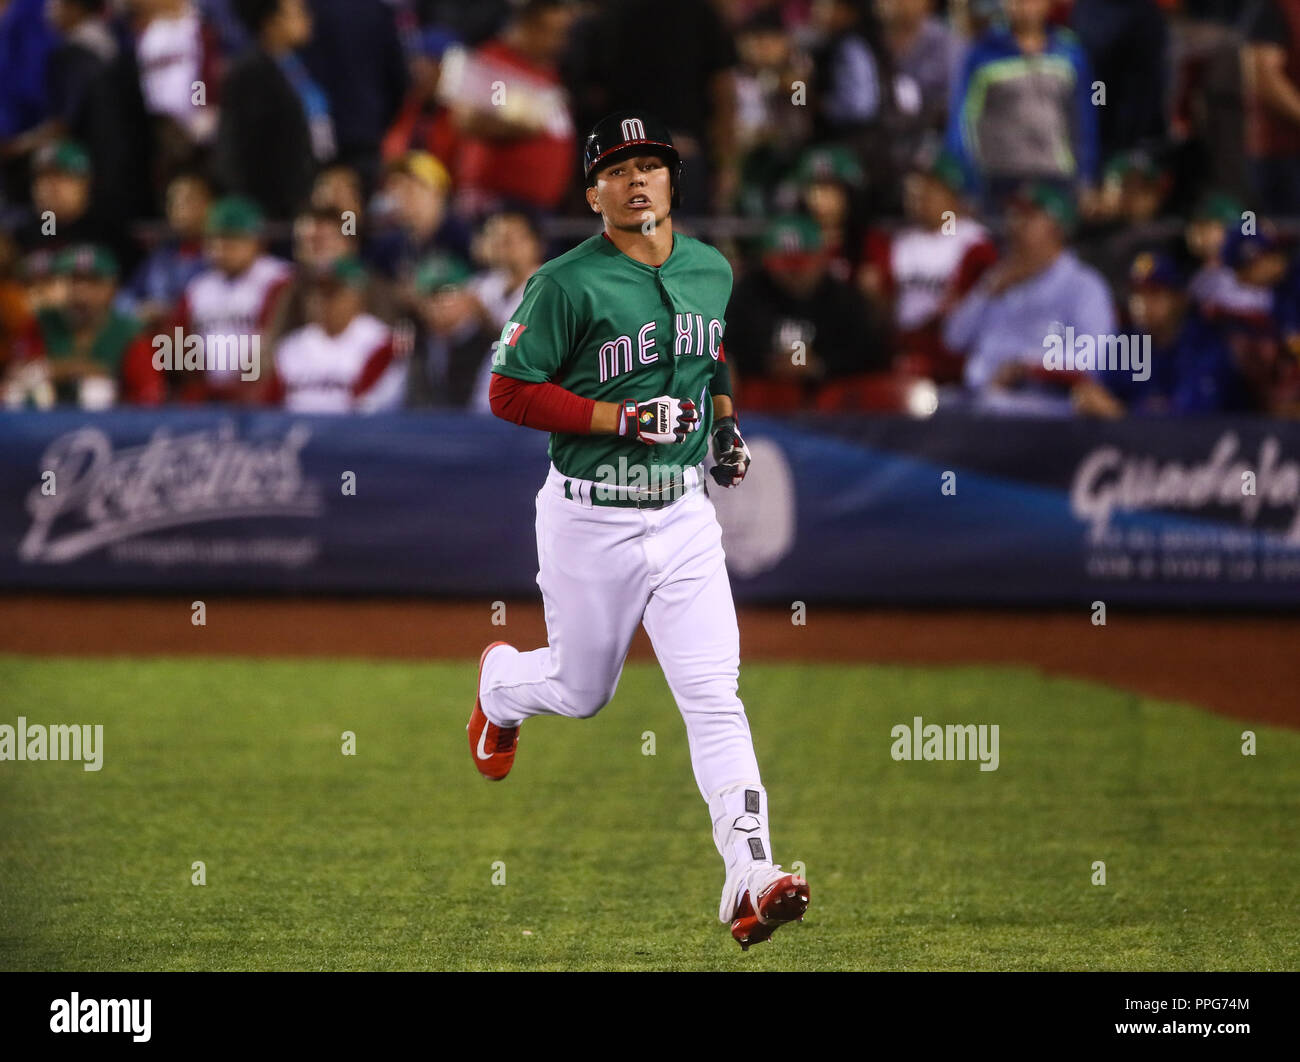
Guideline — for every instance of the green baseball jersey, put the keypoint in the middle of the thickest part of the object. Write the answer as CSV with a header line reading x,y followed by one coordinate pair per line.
x,y
107,348
605,326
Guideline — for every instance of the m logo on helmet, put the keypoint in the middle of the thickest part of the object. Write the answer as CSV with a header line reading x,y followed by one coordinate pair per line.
x,y
633,129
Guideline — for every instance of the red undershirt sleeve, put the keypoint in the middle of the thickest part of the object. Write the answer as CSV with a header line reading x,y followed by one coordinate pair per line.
x,y
544,406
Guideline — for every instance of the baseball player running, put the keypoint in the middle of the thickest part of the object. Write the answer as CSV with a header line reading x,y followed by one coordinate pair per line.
x,y
616,350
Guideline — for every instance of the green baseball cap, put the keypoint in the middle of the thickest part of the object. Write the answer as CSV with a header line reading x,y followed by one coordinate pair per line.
x,y
86,260
63,156
945,169
1138,163
1216,206
346,272
830,163
792,234
1051,199
440,271
235,216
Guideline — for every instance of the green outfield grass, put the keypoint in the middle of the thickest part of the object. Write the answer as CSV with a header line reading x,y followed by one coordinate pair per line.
x,y
384,860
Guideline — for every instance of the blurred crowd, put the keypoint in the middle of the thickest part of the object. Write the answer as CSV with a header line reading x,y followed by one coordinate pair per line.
x,y
917,197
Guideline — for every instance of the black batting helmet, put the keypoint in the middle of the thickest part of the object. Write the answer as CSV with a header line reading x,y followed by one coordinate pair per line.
x,y
624,133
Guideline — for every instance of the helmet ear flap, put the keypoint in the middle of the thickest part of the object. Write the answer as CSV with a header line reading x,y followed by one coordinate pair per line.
x,y
677,185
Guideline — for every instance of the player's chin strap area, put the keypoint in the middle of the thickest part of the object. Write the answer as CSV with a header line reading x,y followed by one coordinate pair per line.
x,y
739,814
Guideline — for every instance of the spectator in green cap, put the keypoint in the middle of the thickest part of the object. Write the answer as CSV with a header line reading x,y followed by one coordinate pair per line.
x,y
318,242
455,335
1212,219
61,196
1136,187
233,234
830,187
915,274
792,326
85,351
343,360
1133,201
238,300
1039,288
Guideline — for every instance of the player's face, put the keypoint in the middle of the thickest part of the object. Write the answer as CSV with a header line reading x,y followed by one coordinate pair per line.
x,y
630,192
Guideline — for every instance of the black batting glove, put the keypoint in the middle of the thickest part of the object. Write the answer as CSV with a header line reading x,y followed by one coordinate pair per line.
x,y
731,453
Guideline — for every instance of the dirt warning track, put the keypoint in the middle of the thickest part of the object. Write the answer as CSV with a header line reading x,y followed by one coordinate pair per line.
x,y
1247,667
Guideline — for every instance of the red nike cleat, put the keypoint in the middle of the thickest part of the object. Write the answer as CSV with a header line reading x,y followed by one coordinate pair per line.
x,y
493,747
781,901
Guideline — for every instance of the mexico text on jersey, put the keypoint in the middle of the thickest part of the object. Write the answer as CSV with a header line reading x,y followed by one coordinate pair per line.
x,y
608,327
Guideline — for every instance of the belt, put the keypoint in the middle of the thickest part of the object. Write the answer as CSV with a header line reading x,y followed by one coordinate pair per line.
x,y
594,493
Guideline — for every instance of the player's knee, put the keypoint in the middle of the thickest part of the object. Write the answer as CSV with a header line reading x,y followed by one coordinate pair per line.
x,y
713,694
586,701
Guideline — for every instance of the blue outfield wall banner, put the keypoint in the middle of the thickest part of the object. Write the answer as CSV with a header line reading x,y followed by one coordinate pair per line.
x,y
952,510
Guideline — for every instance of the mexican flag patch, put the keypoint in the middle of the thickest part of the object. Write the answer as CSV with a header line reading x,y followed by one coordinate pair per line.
x,y
511,333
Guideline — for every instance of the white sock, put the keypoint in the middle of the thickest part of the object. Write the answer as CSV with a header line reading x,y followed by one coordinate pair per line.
x,y
739,815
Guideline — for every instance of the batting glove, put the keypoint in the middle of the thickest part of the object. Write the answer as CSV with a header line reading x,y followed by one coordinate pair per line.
x,y
659,420
731,453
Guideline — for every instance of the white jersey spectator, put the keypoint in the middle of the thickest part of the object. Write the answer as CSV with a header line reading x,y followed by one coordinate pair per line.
x,y
353,371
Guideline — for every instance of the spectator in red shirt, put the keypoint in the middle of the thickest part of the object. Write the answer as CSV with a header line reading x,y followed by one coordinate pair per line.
x,y
916,274
516,144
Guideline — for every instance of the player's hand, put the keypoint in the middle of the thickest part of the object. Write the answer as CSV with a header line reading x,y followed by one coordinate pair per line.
x,y
659,420
731,453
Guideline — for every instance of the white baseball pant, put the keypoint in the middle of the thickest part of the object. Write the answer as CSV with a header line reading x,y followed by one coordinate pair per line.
x,y
602,571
